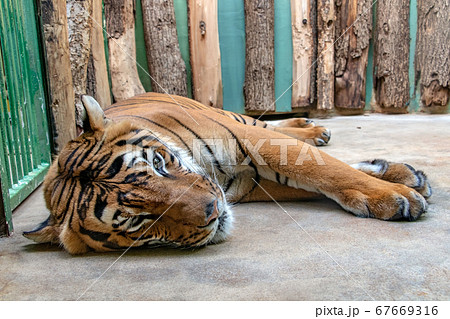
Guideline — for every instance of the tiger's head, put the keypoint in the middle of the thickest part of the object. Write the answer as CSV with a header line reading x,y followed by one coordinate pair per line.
x,y
119,185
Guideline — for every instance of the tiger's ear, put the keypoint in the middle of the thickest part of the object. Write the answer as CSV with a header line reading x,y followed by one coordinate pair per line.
x,y
44,233
93,117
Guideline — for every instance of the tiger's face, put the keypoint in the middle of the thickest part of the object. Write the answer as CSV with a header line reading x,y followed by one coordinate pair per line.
x,y
118,186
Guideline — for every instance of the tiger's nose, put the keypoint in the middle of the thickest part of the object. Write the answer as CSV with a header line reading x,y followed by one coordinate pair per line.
x,y
212,212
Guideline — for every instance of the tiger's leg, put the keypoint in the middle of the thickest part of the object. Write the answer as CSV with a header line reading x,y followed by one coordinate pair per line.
x,y
392,172
267,191
308,168
302,129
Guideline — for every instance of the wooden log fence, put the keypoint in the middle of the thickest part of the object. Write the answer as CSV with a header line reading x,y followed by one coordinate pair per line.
x,y
303,43
168,74
331,50
97,73
259,88
353,33
392,56
205,52
326,17
432,54
125,81
60,85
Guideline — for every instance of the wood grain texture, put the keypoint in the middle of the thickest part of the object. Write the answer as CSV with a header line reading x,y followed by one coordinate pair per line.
x,y
392,56
125,81
166,66
57,58
326,18
80,25
98,83
303,53
432,60
259,87
353,33
205,52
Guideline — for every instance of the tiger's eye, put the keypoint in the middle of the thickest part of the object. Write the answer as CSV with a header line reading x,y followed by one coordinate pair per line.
x,y
158,161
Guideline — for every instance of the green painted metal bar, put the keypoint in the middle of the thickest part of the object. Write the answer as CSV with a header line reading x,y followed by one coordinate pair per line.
x,y
13,71
141,56
181,17
29,119
25,155
283,55
6,145
37,105
231,22
22,77
13,146
6,226
28,184
5,179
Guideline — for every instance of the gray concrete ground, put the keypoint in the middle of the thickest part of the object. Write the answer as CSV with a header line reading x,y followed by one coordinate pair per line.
x,y
328,255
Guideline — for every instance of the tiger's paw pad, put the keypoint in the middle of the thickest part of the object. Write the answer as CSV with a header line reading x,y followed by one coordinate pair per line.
x,y
319,136
400,173
396,203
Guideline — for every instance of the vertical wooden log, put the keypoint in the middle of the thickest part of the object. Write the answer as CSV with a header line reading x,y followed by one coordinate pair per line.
x,y
57,57
325,56
166,66
80,25
205,52
353,33
259,87
392,56
432,60
125,81
97,77
303,52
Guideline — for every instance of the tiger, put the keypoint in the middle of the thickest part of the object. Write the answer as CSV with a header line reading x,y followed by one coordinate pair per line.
x,y
166,170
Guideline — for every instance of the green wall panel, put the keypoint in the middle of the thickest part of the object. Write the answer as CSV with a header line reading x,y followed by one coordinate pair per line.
x,y
232,53
283,56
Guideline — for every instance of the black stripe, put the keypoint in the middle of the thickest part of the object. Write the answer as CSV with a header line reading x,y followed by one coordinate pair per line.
x,y
241,148
163,127
100,205
115,167
215,161
69,199
235,117
243,120
94,235
228,184
137,141
277,176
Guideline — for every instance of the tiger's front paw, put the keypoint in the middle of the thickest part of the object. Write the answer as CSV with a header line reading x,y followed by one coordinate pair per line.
x,y
297,122
317,135
397,173
388,202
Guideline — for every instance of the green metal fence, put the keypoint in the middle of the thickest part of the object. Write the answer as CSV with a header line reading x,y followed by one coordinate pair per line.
x,y
25,145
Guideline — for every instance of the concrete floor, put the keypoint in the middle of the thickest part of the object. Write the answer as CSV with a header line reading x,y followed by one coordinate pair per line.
x,y
332,256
